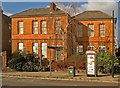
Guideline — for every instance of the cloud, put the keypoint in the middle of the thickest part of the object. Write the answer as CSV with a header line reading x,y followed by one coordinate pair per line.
x,y
48,6
107,7
0,3
71,9
101,1
8,14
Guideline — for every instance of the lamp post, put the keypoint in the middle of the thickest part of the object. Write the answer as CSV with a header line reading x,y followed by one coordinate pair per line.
x,y
50,43
63,40
113,45
50,60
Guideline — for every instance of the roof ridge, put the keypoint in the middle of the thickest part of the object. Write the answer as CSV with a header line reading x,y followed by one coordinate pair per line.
x,y
40,8
20,12
38,11
93,14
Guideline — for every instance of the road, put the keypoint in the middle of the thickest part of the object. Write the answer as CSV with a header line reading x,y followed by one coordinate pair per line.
x,y
42,82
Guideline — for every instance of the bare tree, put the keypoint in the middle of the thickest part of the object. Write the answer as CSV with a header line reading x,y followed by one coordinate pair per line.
x,y
72,9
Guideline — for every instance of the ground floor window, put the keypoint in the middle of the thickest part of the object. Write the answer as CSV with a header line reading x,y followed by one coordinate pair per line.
x,y
102,48
90,48
20,46
44,49
35,48
79,48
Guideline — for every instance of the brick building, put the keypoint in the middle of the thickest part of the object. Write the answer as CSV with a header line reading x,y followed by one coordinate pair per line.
x,y
6,34
0,29
54,34
44,31
94,31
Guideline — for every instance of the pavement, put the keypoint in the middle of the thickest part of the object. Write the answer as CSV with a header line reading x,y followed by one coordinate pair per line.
x,y
62,76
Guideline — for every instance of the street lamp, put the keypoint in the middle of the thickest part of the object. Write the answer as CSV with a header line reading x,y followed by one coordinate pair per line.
x,y
113,45
50,44
63,40
50,60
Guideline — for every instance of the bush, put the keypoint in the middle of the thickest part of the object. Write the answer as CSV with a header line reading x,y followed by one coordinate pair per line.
x,y
29,66
104,61
45,62
22,61
76,60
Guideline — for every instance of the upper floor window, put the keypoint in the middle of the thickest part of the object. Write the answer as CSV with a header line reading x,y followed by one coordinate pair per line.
x,y
90,30
9,26
80,30
43,27
20,46
102,48
20,27
102,30
90,48
35,48
57,27
35,27
79,48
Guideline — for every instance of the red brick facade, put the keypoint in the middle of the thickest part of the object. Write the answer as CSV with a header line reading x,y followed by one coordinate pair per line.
x,y
67,41
96,40
53,40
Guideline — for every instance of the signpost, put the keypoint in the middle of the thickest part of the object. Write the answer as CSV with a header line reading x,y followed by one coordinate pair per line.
x,y
91,63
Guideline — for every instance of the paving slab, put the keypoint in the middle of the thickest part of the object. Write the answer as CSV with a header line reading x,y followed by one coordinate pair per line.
x,y
62,76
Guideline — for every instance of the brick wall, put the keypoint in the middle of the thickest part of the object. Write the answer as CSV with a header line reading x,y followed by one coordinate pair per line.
x,y
6,34
28,38
96,41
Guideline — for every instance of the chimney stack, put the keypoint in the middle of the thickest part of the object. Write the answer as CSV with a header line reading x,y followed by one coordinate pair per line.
x,y
52,6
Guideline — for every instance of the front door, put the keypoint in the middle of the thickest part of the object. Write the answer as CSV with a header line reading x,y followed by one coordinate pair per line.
x,y
57,55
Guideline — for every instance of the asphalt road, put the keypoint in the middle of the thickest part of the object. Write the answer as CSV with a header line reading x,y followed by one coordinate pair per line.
x,y
39,82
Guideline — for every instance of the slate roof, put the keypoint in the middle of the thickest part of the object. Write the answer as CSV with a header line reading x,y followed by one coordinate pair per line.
x,y
39,12
88,15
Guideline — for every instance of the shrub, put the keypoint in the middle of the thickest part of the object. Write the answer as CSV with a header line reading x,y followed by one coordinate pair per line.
x,y
29,66
45,62
22,61
104,61
38,68
76,60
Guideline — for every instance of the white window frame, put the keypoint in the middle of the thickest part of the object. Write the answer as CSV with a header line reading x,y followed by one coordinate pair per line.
x,y
57,25
35,27
90,47
20,46
20,27
35,47
9,26
79,48
103,47
44,49
90,30
43,27
102,30
80,31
